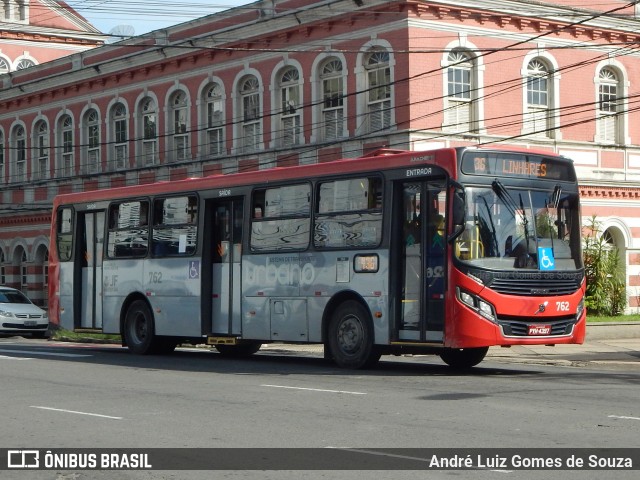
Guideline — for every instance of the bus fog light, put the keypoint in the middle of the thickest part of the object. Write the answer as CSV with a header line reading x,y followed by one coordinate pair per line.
x,y
365,263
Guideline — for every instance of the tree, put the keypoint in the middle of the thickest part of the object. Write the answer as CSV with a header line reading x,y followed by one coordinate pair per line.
x,y
606,292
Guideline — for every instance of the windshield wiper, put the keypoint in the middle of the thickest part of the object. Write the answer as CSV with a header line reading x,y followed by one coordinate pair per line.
x,y
517,211
510,203
555,196
494,234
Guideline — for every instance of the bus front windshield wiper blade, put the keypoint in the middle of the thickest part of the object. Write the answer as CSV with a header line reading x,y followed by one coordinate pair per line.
x,y
517,211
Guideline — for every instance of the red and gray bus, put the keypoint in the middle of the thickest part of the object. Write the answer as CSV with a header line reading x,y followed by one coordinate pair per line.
x,y
444,252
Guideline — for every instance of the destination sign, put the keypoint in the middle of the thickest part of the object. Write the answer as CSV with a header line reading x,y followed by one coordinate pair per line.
x,y
517,165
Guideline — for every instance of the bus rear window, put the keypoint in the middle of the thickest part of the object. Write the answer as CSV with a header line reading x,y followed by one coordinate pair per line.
x,y
175,228
349,213
128,229
281,218
64,238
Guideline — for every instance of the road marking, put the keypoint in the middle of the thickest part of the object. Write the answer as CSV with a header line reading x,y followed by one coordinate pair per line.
x,y
624,418
6,357
76,412
314,389
50,354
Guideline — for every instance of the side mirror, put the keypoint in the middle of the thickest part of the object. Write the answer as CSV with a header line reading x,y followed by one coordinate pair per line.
x,y
458,210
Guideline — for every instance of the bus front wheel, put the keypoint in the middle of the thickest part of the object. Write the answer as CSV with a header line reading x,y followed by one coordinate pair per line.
x,y
463,357
350,337
139,331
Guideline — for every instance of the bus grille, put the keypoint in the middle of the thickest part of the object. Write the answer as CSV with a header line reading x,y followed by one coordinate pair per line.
x,y
519,328
535,287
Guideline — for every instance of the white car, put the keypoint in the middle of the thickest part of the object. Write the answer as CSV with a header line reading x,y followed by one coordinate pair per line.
x,y
19,316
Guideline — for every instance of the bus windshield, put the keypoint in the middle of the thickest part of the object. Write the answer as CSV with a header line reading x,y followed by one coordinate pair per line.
x,y
513,228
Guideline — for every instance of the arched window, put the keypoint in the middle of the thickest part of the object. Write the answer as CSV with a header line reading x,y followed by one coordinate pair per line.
x,y
2,178
251,113
537,115
461,92
608,106
3,276
119,137
332,79
4,66
91,141
40,278
25,63
24,277
45,270
149,127
41,150
67,159
290,118
214,119
19,151
378,89
179,122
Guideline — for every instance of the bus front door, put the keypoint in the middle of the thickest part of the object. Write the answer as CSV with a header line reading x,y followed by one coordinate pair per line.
x,y
225,217
420,252
90,274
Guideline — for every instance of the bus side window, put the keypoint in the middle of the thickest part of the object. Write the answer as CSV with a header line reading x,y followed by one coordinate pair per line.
x,y
175,226
128,231
281,218
65,233
349,213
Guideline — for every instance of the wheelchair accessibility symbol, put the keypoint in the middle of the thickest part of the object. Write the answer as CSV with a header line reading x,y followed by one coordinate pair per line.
x,y
194,269
545,259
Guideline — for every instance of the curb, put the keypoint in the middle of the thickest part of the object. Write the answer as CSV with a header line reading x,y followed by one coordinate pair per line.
x,y
612,331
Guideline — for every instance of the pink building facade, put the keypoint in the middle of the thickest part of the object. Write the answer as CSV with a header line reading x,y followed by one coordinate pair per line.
x,y
304,81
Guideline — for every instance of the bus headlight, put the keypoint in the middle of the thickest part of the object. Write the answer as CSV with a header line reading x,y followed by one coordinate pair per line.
x,y
474,302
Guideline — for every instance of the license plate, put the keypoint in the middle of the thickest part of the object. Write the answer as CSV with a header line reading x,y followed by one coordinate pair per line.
x,y
539,329
30,323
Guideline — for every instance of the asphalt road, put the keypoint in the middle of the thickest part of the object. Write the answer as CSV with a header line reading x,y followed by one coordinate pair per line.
x,y
93,396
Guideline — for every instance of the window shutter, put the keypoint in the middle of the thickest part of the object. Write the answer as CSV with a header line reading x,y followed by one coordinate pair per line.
x,y
333,123
290,130
457,116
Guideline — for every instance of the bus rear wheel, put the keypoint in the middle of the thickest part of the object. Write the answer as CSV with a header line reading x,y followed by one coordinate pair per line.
x,y
463,357
139,330
350,337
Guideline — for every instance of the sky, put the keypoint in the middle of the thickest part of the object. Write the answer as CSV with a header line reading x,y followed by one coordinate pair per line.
x,y
147,15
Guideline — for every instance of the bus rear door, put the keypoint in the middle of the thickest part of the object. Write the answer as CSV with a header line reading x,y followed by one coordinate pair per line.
x,y
88,283
420,255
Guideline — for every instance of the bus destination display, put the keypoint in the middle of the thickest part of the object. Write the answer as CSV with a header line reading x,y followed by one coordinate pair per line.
x,y
514,165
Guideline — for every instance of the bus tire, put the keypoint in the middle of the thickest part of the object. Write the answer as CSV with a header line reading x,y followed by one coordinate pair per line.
x,y
350,337
463,357
239,351
139,330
